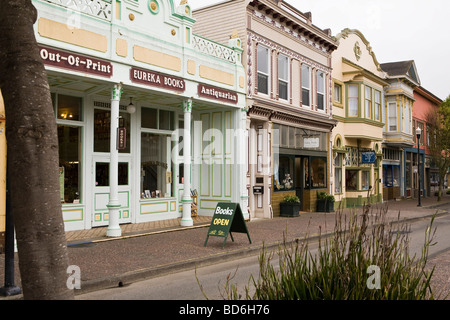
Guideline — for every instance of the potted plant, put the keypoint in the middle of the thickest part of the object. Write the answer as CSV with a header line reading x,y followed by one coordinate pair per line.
x,y
325,202
290,206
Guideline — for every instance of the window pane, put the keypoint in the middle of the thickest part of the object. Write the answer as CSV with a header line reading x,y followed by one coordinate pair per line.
x,y
351,180
337,93
284,173
353,100
263,59
283,72
263,83
305,97
365,180
102,131
69,163
305,77
123,173
166,119
154,165
338,180
320,101
102,174
392,117
282,90
69,108
318,172
320,82
149,118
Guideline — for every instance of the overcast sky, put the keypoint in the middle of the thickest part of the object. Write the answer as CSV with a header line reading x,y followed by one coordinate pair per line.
x,y
397,30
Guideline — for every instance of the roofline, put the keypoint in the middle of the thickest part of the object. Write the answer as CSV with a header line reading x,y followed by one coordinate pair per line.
x,y
427,94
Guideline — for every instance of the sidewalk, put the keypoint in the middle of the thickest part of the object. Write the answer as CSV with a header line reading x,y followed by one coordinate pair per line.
x,y
152,249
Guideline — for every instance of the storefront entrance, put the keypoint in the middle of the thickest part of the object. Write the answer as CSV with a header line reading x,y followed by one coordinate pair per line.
x,y
100,216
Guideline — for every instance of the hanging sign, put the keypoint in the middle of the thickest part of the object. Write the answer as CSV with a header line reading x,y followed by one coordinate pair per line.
x,y
227,218
121,138
75,62
368,157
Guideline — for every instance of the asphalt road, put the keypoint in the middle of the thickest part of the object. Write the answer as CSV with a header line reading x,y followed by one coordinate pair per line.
x,y
185,285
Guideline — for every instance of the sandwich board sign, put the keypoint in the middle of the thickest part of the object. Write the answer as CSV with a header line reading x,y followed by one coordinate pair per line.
x,y
228,218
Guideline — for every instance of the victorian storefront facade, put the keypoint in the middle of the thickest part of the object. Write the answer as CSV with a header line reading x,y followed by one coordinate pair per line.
x,y
288,68
400,170
358,105
149,114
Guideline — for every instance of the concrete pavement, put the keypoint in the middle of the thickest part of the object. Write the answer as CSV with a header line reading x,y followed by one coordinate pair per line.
x,y
150,250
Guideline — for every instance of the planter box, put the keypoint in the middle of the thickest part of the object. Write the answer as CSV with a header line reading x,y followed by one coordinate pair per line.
x,y
288,209
325,206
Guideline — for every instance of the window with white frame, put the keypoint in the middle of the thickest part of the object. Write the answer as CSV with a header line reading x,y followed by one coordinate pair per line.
x,y
353,100
263,69
392,114
306,85
368,102
283,76
377,106
320,90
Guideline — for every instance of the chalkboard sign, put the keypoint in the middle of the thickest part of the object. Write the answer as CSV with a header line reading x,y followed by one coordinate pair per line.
x,y
227,218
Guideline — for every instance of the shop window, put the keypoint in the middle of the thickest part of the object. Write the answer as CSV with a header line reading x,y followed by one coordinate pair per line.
x,y
283,76
69,108
69,138
156,175
102,130
306,85
263,69
351,180
338,173
284,173
365,180
149,118
318,172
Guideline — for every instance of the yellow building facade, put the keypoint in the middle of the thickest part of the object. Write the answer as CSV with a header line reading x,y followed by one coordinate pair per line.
x,y
358,106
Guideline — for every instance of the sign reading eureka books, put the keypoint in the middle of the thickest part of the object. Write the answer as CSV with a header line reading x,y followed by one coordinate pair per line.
x,y
156,79
227,218
217,94
75,62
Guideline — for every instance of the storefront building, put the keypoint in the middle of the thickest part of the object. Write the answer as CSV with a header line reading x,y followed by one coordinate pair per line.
x,y
400,172
358,104
176,99
425,102
288,68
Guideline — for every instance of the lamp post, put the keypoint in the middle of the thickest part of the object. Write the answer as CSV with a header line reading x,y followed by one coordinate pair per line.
x,y
418,134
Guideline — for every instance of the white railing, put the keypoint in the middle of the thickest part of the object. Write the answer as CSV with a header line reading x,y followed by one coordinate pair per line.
x,y
214,49
97,8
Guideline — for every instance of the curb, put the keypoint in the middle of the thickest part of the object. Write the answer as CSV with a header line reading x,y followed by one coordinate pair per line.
x,y
129,278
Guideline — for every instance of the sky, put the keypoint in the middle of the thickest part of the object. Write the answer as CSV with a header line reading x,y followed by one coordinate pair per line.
x,y
397,30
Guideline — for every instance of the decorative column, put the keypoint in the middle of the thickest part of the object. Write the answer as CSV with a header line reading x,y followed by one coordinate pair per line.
x,y
186,220
113,205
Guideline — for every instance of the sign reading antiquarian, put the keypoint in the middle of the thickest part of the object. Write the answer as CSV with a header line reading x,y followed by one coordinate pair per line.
x,y
227,218
75,62
156,79
217,94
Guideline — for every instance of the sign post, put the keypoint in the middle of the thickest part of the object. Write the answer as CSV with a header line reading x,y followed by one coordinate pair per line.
x,y
227,218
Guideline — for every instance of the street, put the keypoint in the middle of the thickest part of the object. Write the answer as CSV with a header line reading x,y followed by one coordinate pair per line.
x,y
184,286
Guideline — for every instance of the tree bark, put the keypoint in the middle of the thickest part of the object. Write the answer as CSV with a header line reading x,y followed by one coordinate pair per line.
x,y
33,158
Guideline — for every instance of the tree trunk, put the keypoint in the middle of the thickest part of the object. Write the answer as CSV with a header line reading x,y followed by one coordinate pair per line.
x,y
32,156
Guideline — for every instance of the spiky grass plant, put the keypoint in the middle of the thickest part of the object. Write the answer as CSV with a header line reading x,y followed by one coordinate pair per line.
x,y
346,264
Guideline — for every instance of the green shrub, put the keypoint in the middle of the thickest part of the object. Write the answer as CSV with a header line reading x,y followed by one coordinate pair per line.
x,y
322,195
291,199
339,269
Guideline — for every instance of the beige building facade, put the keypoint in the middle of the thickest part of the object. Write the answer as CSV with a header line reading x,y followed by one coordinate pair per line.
x,y
359,108
289,91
